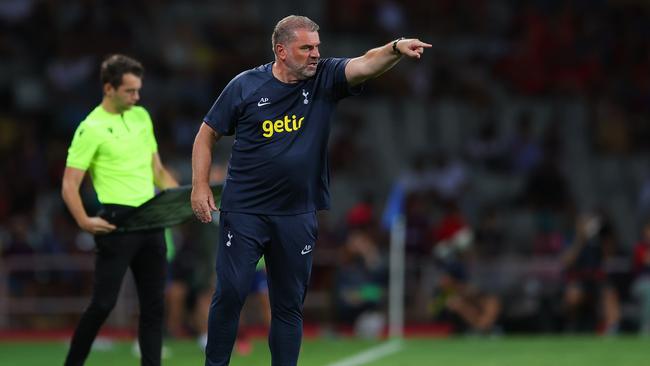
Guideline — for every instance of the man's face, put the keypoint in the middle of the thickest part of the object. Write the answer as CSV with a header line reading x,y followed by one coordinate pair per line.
x,y
127,94
302,54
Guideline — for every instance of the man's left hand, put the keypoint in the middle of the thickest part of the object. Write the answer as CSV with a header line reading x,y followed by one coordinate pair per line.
x,y
412,47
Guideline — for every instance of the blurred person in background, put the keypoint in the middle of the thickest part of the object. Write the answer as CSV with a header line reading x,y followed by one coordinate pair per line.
x,y
117,145
362,273
191,280
587,281
452,236
278,175
191,276
641,284
464,305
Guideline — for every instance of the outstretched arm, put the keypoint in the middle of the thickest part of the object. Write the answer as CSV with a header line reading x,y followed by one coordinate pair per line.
x,y
379,60
202,198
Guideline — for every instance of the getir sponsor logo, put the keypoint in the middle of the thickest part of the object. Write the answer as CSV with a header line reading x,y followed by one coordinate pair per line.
x,y
288,124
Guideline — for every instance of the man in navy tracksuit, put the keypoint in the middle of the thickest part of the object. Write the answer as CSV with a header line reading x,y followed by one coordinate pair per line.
x,y
278,176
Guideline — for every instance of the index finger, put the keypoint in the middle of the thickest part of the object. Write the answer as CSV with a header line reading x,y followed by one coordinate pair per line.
x,y
104,229
103,221
107,225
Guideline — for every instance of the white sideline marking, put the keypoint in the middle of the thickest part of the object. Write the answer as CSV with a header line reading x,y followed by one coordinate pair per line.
x,y
371,354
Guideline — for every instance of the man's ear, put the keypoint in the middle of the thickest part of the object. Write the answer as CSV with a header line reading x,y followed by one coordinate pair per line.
x,y
280,51
108,89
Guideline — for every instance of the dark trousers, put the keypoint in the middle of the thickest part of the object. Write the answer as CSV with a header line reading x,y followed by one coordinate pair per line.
x,y
287,243
145,253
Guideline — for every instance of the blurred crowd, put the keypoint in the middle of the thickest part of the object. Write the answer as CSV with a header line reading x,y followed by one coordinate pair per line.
x,y
584,265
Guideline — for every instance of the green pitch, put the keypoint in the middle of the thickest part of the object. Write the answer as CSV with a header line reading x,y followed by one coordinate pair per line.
x,y
533,351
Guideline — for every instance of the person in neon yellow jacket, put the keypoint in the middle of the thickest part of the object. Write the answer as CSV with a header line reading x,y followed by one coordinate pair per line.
x,y
117,146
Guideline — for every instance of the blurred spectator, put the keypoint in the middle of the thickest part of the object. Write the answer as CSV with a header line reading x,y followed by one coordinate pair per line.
x,y
588,286
361,215
452,236
192,279
468,307
361,277
465,306
191,284
641,284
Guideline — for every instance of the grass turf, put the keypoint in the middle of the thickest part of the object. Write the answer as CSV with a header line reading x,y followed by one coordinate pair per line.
x,y
506,351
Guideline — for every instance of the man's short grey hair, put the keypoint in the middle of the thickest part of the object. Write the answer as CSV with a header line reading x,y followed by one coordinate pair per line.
x,y
284,31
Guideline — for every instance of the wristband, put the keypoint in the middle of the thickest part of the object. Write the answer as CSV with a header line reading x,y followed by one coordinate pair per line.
x,y
395,49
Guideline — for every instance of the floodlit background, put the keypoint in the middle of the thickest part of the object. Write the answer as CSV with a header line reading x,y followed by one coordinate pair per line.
x,y
524,128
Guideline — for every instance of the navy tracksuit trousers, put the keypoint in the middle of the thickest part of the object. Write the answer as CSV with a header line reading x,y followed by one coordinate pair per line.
x,y
287,243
